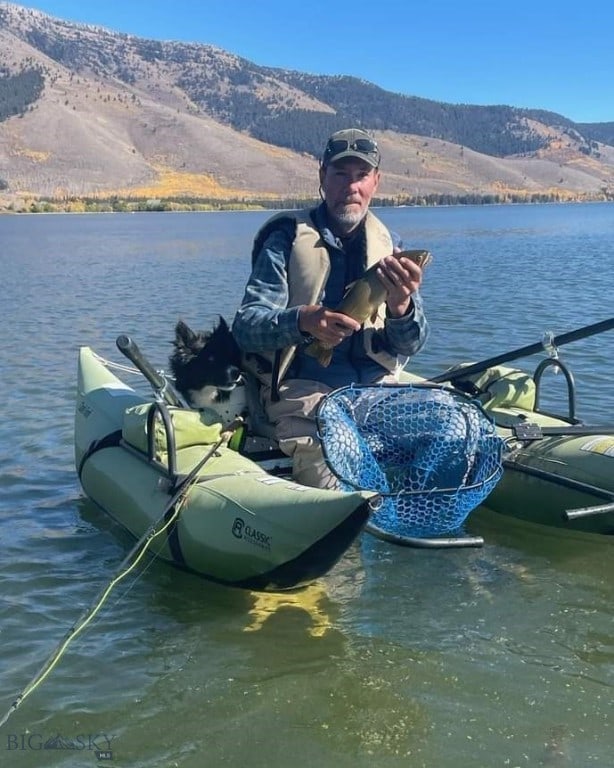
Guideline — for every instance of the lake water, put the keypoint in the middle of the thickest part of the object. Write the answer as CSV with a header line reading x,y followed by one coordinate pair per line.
x,y
499,656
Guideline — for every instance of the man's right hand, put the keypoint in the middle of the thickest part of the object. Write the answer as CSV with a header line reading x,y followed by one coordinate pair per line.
x,y
326,325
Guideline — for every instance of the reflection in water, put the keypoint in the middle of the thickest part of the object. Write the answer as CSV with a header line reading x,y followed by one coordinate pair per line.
x,y
310,600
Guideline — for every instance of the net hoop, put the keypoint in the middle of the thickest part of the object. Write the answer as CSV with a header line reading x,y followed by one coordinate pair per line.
x,y
431,453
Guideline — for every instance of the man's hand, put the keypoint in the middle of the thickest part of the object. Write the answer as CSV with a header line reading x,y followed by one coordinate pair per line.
x,y
400,278
325,325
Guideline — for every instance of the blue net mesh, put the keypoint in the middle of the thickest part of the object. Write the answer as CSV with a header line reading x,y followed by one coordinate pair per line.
x,y
432,453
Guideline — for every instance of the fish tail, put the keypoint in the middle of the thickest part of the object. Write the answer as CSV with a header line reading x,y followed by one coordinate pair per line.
x,y
321,353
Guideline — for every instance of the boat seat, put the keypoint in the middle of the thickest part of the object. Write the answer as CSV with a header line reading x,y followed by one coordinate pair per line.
x,y
188,427
161,433
514,389
502,387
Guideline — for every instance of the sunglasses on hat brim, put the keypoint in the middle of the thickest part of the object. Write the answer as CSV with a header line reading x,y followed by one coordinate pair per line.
x,y
362,146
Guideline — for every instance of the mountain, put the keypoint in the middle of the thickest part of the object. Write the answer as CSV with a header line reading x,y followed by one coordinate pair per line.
x,y
86,112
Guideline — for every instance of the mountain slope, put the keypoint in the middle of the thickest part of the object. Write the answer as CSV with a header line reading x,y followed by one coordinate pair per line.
x,y
86,111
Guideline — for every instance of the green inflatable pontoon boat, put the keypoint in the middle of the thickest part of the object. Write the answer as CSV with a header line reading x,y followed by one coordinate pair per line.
x,y
558,471
229,512
139,460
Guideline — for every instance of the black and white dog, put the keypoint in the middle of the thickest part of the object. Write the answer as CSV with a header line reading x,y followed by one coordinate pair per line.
x,y
206,365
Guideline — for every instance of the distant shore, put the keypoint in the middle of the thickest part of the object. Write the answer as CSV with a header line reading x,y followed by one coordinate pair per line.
x,y
116,204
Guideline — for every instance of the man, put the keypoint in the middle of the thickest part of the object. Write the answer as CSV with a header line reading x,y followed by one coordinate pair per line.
x,y
303,262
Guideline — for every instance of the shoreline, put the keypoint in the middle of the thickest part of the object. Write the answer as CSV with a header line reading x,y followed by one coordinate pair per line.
x,y
114,204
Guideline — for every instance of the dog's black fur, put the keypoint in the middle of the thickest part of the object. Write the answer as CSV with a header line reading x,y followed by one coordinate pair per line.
x,y
206,364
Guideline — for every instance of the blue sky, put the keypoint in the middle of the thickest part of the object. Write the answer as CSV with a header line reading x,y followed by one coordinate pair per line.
x,y
542,54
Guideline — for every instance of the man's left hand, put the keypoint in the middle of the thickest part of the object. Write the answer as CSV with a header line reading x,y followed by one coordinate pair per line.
x,y
400,278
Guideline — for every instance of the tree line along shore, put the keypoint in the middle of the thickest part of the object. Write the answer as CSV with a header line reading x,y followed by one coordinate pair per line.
x,y
117,204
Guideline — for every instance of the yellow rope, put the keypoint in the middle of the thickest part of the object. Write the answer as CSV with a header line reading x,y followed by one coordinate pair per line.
x,y
140,548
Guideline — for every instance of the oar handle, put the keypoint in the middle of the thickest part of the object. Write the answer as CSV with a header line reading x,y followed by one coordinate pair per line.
x,y
576,514
530,349
130,349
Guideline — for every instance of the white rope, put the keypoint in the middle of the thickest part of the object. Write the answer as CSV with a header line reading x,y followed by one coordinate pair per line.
x,y
116,366
112,365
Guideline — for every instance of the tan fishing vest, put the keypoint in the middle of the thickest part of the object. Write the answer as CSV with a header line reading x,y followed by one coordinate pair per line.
x,y
308,270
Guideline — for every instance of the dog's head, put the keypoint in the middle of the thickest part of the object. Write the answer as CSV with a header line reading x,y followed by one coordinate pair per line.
x,y
205,364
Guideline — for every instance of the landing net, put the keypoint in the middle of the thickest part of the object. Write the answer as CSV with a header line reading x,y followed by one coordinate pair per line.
x,y
432,453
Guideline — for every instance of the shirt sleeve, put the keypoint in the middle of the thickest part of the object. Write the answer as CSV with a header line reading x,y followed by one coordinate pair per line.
x,y
408,334
264,322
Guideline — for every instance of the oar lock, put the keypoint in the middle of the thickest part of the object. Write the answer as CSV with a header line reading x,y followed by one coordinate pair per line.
x,y
549,345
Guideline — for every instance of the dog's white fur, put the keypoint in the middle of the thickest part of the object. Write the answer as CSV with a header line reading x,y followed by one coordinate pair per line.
x,y
229,409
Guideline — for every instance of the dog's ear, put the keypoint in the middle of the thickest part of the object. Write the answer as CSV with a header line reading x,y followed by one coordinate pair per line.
x,y
184,335
223,324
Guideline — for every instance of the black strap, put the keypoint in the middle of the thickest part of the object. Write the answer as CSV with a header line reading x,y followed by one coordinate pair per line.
x,y
275,377
108,441
113,440
172,537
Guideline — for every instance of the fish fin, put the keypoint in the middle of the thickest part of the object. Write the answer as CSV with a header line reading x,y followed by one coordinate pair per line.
x,y
349,287
420,257
321,353
313,349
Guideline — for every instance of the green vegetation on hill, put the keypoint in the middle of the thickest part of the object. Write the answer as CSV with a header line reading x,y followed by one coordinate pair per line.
x,y
233,96
496,130
118,204
603,132
18,92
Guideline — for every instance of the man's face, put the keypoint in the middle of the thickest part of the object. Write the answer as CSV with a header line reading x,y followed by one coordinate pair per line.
x,y
348,187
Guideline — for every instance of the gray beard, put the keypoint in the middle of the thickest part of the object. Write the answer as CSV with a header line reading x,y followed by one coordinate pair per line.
x,y
348,220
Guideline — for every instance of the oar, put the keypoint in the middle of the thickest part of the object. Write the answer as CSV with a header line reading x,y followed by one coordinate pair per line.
x,y
530,349
161,386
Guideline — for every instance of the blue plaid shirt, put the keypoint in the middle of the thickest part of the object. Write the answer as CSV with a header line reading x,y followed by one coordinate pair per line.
x,y
264,321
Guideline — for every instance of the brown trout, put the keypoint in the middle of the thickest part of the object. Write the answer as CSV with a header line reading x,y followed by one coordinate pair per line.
x,y
362,299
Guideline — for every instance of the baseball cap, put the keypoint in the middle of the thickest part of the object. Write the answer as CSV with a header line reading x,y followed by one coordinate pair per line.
x,y
351,142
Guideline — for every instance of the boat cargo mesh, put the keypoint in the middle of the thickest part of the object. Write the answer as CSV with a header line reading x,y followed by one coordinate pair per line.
x,y
432,453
